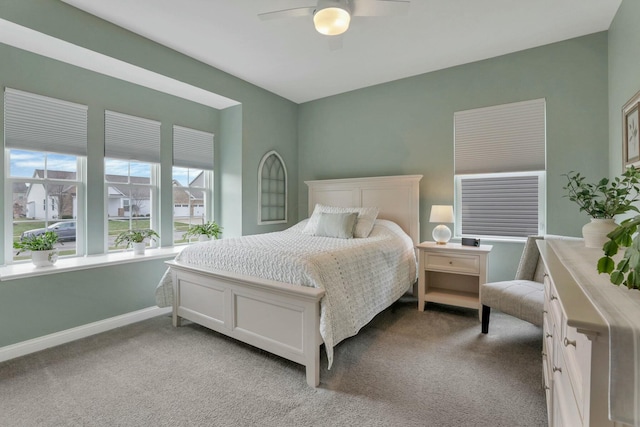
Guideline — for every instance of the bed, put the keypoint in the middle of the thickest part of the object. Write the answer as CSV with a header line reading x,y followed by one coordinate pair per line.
x,y
273,311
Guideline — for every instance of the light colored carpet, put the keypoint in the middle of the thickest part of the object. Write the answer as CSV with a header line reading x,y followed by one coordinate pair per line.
x,y
406,368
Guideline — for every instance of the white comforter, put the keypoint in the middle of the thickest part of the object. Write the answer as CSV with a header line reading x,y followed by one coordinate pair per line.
x,y
361,277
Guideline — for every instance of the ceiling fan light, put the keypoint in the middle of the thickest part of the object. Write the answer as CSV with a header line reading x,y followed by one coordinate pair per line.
x,y
331,21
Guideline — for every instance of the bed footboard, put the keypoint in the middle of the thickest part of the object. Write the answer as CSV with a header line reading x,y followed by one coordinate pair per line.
x,y
280,318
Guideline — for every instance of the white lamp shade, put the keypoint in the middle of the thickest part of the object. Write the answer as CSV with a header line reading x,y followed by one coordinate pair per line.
x,y
331,21
441,213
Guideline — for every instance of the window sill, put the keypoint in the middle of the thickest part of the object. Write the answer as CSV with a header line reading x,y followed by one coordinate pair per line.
x,y
63,265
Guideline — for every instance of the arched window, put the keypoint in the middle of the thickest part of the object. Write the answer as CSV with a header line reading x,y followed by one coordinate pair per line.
x,y
272,189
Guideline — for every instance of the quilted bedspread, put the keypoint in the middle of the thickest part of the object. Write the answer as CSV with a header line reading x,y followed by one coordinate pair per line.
x,y
361,277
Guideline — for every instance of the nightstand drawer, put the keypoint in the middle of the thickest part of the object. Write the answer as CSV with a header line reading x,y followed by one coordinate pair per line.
x,y
458,263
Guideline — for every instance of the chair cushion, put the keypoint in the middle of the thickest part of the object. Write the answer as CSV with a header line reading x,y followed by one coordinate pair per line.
x,y
523,299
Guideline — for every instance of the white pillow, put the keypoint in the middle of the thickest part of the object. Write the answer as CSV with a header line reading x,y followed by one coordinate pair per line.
x,y
338,225
364,222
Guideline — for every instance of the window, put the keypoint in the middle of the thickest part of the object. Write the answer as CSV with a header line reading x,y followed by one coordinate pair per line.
x,y
132,156
272,189
500,170
46,147
192,179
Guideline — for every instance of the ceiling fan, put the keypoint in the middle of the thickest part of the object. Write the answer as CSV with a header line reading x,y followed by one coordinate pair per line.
x,y
332,17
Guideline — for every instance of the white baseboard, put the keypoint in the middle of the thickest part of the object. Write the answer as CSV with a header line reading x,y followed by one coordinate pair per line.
x,y
31,346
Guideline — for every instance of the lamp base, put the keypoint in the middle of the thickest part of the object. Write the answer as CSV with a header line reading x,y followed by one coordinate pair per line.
x,y
441,234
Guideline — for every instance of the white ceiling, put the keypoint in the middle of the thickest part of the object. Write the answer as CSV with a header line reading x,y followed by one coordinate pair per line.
x,y
288,57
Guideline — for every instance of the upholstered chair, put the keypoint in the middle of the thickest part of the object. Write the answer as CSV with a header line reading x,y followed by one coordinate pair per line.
x,y
522,297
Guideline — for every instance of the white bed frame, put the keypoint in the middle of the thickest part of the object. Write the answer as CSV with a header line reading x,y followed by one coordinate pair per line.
x,y
282,318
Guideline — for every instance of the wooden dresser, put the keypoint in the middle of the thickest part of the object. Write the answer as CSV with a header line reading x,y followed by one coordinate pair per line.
x,y
575,355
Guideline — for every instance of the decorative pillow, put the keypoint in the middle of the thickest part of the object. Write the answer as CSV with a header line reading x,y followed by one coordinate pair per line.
x,y
338,225
364,222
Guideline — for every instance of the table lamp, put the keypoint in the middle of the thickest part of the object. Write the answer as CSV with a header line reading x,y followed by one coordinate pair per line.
x,y
441,213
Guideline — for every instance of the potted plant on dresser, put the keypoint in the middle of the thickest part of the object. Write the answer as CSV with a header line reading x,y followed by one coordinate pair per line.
x,y
43,252
204,231
602,201
627,270
136,239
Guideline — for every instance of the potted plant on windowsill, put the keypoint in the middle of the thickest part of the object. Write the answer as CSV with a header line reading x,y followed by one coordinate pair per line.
x,y
136,239
602,201
43,252
204,231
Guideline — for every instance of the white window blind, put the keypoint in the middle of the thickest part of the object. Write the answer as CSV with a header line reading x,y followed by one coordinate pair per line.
x,y
192,148
39,123
505,205
500,161
131,138
501,138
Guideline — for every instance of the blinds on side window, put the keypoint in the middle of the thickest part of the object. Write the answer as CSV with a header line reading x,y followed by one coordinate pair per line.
x,y
192,148
131,138
40,123
501,138
499,165
500,206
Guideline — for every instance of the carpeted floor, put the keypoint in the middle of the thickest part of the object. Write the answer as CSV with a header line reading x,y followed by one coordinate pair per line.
x,y
406,368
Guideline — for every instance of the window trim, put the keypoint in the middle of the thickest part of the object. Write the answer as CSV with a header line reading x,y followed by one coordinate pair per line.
x,y
542,204
24,270
154,208
207,190
80,220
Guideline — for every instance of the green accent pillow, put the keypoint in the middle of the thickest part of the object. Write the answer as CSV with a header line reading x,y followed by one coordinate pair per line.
x,y
338,225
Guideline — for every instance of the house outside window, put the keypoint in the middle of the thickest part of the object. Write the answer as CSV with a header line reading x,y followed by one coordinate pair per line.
x,y
500,164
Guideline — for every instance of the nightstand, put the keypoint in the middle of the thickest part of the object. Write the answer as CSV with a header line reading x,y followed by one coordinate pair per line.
x,y
451,274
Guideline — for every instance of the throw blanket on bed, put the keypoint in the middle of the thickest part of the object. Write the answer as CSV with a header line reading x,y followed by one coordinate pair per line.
x,y
361,277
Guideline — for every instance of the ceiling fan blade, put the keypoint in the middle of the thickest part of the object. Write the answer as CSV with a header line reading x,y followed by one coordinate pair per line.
x,y
380,7
287,13
335,42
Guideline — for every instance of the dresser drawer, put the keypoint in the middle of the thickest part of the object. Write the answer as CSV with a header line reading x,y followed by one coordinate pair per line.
x,y
554,308
458,263
547,340
576,351
565,406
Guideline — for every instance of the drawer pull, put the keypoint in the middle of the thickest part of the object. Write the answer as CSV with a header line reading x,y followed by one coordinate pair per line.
x,y
548,335
545,388
545,275
545,312
553,297
544,354
568,342
556,369
450,262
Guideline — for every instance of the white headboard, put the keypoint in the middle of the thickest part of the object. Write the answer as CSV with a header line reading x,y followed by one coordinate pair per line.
x,y
397,197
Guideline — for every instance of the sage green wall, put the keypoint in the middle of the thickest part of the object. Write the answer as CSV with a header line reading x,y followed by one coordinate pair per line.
x,y
624,77
406,127
244,133
43,305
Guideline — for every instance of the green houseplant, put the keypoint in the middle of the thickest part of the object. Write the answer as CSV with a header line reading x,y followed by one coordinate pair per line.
x,y
42,248
627,270
136,239
602,201
209,229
